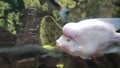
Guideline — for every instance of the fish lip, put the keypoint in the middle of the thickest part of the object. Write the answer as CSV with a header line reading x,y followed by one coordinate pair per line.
x,y
63,49
58,44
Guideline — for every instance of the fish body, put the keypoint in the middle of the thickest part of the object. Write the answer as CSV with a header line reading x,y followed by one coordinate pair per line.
x,y
87,38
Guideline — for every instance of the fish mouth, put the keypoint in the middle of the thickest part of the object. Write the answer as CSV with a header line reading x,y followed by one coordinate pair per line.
x,y
59,46
63,48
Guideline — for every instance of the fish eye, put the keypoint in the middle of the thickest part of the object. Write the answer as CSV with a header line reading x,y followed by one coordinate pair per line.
x,y
68,39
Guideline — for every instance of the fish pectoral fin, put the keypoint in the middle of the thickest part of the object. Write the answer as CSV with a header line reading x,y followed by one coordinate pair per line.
x,y
113,50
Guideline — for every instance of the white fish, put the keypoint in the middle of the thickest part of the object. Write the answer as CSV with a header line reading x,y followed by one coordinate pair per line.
x,y
91,37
